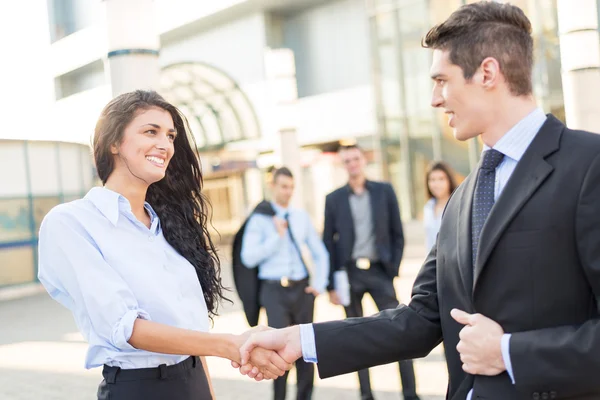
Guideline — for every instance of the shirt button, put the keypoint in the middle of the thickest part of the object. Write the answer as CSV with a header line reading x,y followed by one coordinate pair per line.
x,y
151,238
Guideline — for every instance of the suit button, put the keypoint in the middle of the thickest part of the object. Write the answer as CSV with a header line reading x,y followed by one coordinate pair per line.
x,y
536,396
553,395
545,396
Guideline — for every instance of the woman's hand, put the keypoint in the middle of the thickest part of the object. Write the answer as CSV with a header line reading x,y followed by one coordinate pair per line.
x,y
263,364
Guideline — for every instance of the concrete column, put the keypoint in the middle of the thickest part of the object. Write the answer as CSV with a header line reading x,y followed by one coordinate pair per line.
x,y
253,183
281,76
133,45
580,59
289,151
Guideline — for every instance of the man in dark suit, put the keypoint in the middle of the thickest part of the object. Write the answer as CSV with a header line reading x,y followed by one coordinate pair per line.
x,y
363,234
512,286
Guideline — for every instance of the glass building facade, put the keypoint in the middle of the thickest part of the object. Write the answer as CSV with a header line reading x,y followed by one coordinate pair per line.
x,y
35,176
411,132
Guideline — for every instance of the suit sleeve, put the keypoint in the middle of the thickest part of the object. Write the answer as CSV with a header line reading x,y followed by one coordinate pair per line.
x,y
328,239
319,255
403,333
567,359
396,234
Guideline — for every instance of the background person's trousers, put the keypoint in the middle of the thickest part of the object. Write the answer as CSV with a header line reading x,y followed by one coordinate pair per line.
x,y
285,307
381,288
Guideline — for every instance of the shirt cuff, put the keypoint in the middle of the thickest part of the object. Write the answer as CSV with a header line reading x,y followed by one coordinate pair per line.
x,y
505,345
321,289
307,340
124,329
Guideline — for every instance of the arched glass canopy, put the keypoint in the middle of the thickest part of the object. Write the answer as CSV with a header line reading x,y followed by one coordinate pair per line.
x,y
217,109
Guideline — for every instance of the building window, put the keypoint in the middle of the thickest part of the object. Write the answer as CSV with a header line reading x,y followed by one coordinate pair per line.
x,y
69,16
87,77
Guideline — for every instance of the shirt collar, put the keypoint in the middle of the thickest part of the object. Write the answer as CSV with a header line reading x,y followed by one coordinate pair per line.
x,y
280,211
516,141
368,186
111,204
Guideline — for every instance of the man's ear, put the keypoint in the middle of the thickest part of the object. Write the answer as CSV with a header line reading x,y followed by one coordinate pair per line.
x,y
490,72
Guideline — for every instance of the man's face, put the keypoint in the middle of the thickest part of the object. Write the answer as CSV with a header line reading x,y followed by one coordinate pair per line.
x,y
354,161
283,189
465,102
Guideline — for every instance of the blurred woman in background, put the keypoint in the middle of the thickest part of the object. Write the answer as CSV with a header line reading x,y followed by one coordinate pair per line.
x,y
440,185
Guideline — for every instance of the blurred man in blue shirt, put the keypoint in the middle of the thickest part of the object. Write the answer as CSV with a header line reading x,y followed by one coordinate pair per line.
x,y
273,245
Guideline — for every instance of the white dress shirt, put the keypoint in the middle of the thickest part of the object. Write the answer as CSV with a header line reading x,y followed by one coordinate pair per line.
x,y
108,268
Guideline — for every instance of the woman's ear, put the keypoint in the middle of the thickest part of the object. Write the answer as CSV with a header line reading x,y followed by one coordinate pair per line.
x,y
114,149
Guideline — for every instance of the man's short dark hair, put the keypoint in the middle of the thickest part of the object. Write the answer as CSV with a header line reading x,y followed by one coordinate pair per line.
x,y
283,171
488,29
349,147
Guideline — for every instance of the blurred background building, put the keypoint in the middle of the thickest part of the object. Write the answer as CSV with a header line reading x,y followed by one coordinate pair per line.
x,y
263,83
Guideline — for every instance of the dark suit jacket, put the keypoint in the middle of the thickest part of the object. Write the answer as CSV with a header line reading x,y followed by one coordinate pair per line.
x,y
537,275
338,232
246,279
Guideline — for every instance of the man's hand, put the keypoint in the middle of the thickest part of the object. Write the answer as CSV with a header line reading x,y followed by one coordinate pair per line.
x,y
262,364
281,225
265,362
286,342
334,298
480,344
312,290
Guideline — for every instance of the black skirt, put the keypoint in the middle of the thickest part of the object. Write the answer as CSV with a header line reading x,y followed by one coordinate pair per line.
x,y
183,381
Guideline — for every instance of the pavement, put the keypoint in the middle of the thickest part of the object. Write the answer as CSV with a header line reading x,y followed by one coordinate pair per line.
x,y
42,353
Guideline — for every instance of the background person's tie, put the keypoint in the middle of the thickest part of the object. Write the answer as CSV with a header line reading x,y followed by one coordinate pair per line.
x,y
287,219
483,198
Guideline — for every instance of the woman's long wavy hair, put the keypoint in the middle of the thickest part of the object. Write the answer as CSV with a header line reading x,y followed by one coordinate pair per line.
x,y
177,198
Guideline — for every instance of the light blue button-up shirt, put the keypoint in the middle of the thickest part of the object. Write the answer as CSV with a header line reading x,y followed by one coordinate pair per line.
x,y
108,268
276,256
431,223
513,145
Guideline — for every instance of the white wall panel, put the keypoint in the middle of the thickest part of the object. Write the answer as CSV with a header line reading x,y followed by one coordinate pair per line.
x,y
236,47
70,168
87,167
331,47
336,115
13,175
73,118
43,168
175,13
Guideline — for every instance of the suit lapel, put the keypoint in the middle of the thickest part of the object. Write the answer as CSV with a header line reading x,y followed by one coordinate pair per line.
x,y
463,236
529,174
375,202
346,211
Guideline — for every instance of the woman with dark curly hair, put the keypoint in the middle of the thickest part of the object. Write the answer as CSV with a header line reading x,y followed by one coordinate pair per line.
x,y
134,262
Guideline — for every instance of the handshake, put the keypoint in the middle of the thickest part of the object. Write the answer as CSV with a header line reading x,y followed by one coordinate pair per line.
x,y
267,353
